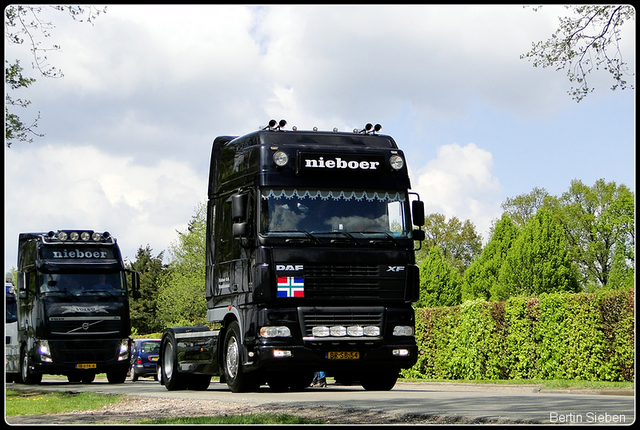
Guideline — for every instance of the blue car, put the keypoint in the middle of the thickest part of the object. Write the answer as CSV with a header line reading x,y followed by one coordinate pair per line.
x,y
144,358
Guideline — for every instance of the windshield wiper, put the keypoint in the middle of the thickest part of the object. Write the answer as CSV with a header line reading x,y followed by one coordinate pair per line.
x,y
388,237
65,292
306,233
346,233
99,291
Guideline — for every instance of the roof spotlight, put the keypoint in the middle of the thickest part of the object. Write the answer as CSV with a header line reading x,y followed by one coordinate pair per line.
x,y
272,124
377,128
367,128
282,123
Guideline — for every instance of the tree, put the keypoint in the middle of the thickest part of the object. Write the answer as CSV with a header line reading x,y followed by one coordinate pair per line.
x,y
440,282
521,208
481,277
144,310
182,300
458,241
582,43
599,222
23,23
537,262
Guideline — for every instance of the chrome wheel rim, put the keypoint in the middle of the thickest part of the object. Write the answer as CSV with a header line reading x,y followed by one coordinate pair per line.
x,y
232,358
167,361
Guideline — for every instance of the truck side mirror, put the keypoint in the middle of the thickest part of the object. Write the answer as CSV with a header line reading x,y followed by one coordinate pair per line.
x,y
135,284
239,207
22,286
417,210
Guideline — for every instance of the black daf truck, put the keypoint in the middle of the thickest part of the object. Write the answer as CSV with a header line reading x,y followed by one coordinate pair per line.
x,y
73,306
310,264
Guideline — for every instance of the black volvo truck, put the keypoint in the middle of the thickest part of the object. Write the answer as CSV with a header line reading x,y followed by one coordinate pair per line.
x,y
310,264
73,307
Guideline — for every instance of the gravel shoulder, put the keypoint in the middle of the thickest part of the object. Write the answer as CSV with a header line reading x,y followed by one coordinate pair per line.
x,y
138,408
135,408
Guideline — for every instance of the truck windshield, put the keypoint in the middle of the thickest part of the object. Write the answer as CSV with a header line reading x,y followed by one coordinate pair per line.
x,y
289,210
81,285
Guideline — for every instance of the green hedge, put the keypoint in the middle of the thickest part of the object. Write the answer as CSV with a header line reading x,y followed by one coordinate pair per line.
x,y
555,336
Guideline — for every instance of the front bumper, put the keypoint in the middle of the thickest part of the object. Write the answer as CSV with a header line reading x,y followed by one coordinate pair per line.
x,y
303,358
79,355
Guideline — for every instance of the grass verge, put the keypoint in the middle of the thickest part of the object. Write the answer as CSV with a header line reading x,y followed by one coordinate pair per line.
x,y
34,402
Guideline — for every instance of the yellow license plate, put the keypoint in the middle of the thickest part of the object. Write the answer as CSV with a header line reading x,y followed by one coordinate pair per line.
x,y
153,358
343,355
86,366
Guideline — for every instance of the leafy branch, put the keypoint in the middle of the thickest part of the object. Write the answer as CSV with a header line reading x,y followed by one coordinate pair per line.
x,y
588,42
23,23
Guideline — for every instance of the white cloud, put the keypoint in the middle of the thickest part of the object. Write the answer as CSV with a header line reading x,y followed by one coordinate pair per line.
x,y
82,187
460,183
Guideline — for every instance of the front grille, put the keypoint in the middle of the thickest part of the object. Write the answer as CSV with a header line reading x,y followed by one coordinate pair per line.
x,y
341,271
365,316
85,325
352,282
79,351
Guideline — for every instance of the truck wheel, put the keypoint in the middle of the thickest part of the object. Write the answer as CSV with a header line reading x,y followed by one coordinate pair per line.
x,y
199,382
116,376
73,378
237,380
380,381
173,380
159,373
25,373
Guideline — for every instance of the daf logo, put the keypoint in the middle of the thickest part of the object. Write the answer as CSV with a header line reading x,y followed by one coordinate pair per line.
x,y
288,267
395,269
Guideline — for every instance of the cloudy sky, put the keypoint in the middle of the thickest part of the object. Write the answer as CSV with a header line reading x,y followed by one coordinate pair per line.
x,y
146,89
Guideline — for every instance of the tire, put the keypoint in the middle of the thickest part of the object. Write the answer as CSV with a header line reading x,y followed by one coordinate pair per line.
x,y
199,382
133,375
27,377
159,377
73,378
237,379
382,381
116,376
173,380
87,379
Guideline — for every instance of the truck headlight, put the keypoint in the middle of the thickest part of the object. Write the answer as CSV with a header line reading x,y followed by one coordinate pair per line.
x,y
123,350
280,158
44,351
403,330
396,162
275,331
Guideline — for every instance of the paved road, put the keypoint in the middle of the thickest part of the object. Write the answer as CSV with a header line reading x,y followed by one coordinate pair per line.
x,y
523,403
